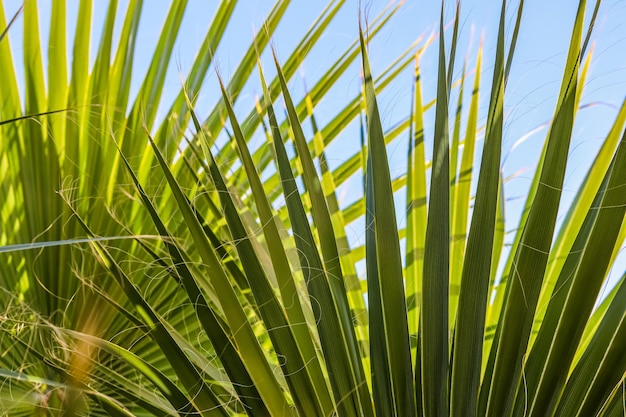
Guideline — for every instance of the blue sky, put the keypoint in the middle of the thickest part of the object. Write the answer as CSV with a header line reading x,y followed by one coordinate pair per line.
x,y
530,98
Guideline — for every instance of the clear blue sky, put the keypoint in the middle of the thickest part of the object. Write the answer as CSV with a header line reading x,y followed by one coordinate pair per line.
x,y
530,98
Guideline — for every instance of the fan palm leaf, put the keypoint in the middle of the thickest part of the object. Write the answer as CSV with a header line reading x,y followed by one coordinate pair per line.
x,y
163,264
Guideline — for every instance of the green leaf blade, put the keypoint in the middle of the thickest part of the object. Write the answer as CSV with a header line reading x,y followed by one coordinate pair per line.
x,y
389,264
434,311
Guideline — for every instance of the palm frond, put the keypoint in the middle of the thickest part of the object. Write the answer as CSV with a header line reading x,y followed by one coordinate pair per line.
x,y
156,259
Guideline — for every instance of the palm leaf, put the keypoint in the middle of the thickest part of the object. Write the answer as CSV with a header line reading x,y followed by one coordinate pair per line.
x,y
156,259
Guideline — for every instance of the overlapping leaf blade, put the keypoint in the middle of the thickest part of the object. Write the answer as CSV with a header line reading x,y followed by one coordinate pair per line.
x,y
530,260
396,355
578,286
339,364
434,306
476,273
